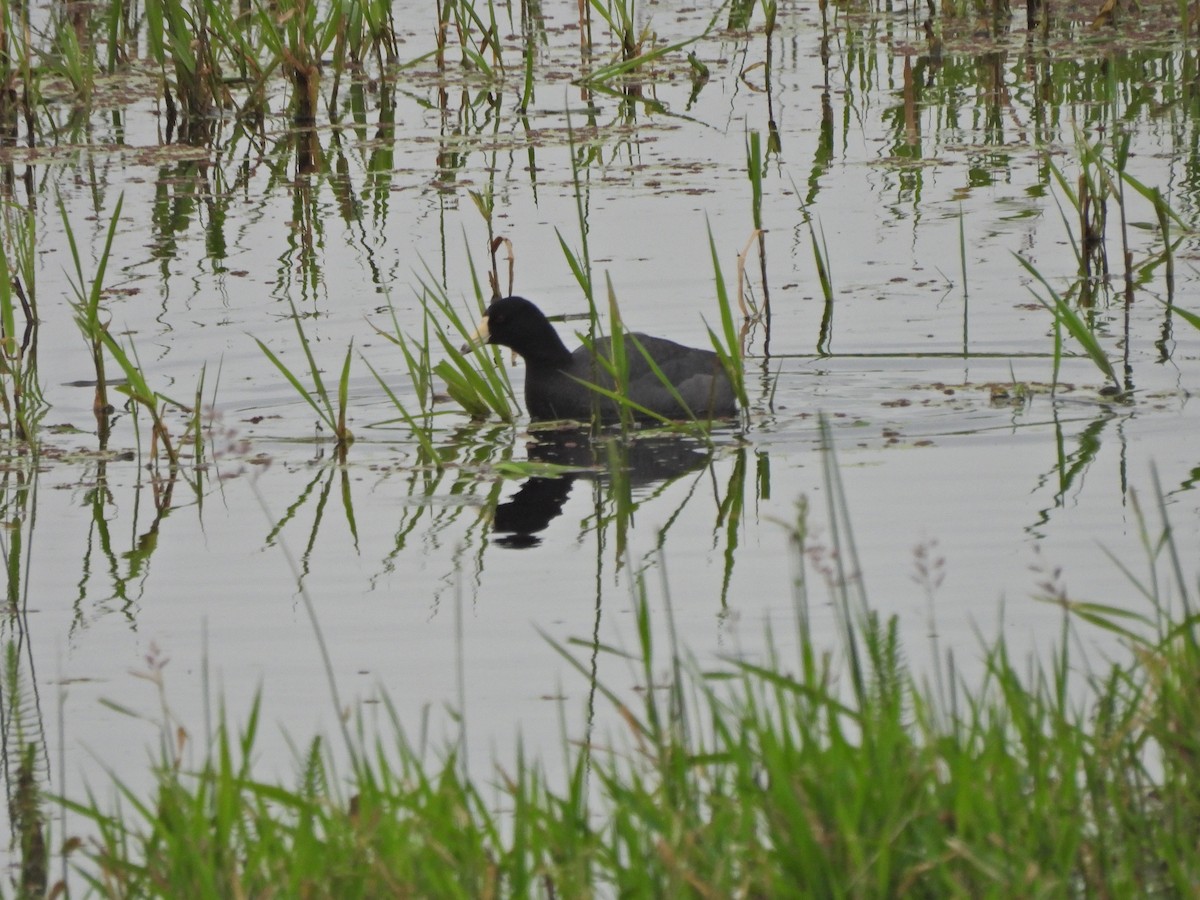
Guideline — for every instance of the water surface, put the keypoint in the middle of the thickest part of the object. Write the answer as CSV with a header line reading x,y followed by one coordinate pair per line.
x,y
920,178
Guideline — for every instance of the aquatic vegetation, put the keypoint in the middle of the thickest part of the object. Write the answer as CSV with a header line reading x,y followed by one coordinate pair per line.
x,y
331,414
87,314
727,342
138,390
287,167
1066,317
93,324
475,382
416,360
178,36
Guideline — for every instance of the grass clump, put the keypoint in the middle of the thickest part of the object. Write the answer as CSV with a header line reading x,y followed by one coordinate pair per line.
x,y
331,410
92,321
826,774
472,378
1076,326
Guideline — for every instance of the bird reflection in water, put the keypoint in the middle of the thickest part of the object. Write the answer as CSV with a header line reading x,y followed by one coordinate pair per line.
x,y
645,459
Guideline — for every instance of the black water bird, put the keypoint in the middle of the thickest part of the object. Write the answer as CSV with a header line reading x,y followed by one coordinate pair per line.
x,y
557,381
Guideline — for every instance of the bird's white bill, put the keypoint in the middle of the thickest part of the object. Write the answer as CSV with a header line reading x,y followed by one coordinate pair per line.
x,y
479,337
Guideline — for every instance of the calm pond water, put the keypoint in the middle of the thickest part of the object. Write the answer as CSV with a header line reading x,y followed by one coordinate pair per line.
x,y
922,176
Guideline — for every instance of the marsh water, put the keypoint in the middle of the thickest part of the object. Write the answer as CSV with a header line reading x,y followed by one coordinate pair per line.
x,y
985,466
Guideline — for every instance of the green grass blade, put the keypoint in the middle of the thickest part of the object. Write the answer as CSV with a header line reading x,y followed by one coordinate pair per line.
x,y
729,349
1075,326
1190,317
420,433
343,395
304,392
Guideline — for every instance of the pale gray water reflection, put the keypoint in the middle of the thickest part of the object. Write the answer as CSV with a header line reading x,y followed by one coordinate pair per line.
x,y
915,174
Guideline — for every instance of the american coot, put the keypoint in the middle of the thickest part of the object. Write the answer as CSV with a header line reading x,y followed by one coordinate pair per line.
x,y
554,376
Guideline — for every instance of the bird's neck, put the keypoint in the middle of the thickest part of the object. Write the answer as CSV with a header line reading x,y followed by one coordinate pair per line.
x,y
548,352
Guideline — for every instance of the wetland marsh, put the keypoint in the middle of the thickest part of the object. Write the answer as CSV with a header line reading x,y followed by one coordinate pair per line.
x,y
936,228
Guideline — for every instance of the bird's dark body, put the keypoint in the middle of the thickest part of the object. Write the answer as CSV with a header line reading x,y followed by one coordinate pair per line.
x,y
555,378
696,375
